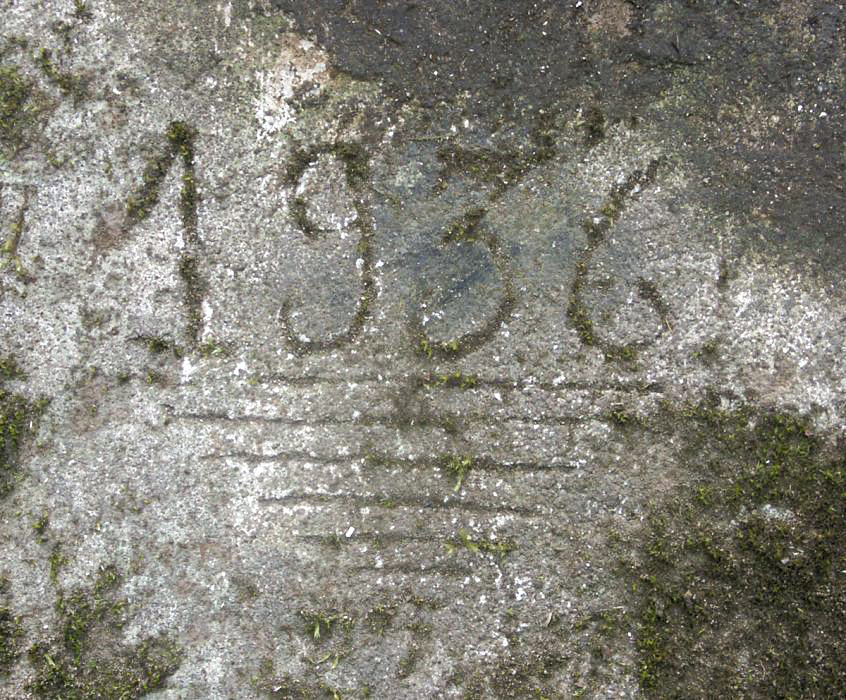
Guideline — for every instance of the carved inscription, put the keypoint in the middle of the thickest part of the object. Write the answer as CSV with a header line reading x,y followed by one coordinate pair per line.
x,y
470,228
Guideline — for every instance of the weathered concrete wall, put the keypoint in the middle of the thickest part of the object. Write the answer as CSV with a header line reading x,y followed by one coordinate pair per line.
x,y
404,350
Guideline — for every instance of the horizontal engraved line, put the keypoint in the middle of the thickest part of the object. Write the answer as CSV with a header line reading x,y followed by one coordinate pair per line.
x,y
429,382
382,460
478,463
393,537
315,379
295,456
391,420
394,501
636,386
280,420
415,568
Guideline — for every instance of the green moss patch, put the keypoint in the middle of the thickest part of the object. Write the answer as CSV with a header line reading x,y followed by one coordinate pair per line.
x,y
18,418
594,125
194,292
496,548
68,83
289,688
9,256
453,380
40,528
11,633
465,227
458,467
320,624
214,348
9,368
741,587
521,678
87,660
159,345
15,107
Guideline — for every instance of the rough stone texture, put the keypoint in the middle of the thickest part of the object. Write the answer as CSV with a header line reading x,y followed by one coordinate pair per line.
x,y
375,333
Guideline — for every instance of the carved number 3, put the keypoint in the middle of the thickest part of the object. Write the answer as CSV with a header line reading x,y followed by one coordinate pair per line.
x,y
468,229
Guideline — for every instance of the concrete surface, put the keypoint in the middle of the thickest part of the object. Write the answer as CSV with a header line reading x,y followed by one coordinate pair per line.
x,y
375,336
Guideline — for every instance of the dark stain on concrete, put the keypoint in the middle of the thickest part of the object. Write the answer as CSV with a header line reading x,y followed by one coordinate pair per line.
x,y
761,114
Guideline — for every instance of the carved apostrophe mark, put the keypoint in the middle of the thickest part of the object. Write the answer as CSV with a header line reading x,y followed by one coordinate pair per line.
x,y
597,227
354,159
140,204
468,228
